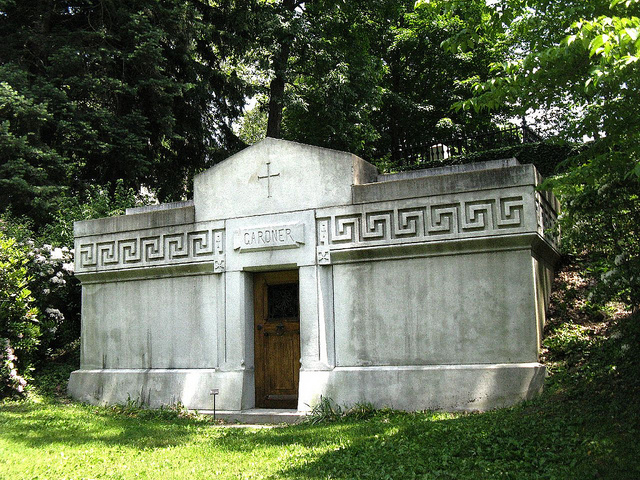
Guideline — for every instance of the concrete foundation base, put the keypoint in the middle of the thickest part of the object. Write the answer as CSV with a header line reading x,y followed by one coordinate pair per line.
x,y
161,387
435,387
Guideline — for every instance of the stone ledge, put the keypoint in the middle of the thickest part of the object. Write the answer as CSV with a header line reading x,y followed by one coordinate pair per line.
x,y
137,221
161,206
155,388
258,416
471,181
429,387
477,387
158,271
446,247
449,170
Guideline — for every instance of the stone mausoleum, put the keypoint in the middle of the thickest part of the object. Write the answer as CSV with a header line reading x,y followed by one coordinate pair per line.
x,y
299,271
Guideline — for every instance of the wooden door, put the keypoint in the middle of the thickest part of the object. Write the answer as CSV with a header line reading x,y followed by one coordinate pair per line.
x,y
277,339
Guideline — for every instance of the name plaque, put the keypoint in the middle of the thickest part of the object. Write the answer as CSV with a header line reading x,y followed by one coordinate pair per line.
x,y
269,238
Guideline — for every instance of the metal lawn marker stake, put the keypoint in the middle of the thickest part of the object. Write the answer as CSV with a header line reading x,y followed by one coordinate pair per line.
x,y
214,392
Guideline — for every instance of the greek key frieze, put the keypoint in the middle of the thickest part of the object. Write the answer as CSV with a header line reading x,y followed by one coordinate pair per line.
x,y
510,213
150,248
478,216
409,222
421,222
546,218
443,219
345,229
376,225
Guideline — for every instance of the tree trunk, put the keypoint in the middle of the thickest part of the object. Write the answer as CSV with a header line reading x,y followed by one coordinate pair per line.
x,y
280,65
276,91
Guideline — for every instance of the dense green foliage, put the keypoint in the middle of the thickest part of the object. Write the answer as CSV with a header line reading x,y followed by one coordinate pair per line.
x,y
19,325
602,217
95,92
359,76
41,297
32,174
253,126
422,81
578,62
549,158
94,202
40,300
146,92
334,76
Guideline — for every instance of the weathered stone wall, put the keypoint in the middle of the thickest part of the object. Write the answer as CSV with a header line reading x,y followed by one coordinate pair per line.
x,y
443,310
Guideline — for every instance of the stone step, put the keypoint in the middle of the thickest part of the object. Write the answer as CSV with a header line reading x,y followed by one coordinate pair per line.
x,y
258,416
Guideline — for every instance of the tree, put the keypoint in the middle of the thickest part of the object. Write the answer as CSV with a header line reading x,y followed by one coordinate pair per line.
x,y
335,76
581,59
284,33
361,76
253,126
32,174
422,81
135,90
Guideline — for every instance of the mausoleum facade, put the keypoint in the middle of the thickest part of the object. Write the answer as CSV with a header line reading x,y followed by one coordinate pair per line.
x,y
299,271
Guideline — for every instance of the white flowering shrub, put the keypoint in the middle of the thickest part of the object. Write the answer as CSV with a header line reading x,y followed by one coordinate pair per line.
x,y
56,294
46,272
40,309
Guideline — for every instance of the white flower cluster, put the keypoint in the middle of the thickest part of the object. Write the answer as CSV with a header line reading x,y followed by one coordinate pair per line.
x,y
57,279
60,253
55,314
8,357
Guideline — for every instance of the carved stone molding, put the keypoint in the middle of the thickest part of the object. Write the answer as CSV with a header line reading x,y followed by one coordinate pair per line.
x,y
546,216
418,221
152,247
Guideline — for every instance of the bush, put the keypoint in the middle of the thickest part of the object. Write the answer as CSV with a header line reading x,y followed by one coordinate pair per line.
x,y
19,325
54,289
97,202
49,260
601,217
57,295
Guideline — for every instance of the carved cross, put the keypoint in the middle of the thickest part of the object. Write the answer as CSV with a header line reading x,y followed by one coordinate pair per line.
x,y
268,177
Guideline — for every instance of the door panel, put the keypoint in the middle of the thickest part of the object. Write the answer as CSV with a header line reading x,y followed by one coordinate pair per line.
x,y
277,339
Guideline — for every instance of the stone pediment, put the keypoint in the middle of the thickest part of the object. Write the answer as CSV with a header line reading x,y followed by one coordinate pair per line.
x,y
277,176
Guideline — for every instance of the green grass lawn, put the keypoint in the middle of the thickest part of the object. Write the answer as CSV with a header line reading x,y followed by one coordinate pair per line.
x,y
585,425
547,438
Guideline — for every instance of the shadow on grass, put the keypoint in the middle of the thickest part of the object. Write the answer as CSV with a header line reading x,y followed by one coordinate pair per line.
x,y
547,438
38,425
586,425
518,443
